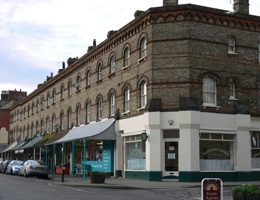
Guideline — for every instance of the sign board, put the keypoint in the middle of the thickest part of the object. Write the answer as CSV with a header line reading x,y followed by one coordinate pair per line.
x,y
211,189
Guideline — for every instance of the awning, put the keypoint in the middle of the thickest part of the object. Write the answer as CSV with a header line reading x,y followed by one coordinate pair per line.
x,y
10,147
18,147
50,138
102,130
3,147
32,142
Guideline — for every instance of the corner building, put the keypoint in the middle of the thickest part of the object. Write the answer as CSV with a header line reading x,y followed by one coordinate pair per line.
x,y
182,85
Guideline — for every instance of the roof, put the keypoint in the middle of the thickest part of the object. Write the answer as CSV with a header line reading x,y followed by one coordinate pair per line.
x,y
102,130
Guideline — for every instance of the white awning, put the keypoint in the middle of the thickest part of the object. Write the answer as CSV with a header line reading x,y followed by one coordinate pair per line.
x,y
10,147
102,130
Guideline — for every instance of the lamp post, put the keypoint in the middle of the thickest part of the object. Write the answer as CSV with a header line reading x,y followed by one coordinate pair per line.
x,y
62,162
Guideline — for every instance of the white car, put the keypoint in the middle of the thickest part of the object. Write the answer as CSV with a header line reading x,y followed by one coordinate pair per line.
x,y
34,168
14,167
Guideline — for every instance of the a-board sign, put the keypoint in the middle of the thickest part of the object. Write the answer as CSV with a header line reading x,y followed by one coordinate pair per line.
x,y
211,189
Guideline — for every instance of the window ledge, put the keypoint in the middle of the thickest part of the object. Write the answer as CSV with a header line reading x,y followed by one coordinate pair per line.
x,y
204,105
88,86
232,53
125,67
125,113
142,59
99,81
140,109
111,75
233,99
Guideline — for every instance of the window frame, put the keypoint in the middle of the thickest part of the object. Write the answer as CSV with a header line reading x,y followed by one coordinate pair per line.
x,y
112,104
88,112
99,108
99,72
127,100
126,57
143,94
231,45
143,48
112,64
207,82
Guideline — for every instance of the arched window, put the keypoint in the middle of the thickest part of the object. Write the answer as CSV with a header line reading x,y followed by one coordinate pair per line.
x,y
48,99
69,119
78,115
99,108
99,72
231,45
47,129
143,48
127,100
127,57
53,123
112,104
232,89
54,95
32,107
32,130
143,94
88,112
62,92
209,92
69,88
112,65
42,102
62,120
78,84
88,81
42,126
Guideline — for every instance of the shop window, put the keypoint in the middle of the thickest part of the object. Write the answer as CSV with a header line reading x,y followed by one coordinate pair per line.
x,y
94,150
134,153
255,149
216,151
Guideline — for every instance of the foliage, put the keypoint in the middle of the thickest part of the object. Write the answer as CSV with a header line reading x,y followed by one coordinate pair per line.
x,y
246,192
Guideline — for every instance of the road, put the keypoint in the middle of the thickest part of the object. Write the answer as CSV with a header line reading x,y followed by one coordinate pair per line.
x,y
20,188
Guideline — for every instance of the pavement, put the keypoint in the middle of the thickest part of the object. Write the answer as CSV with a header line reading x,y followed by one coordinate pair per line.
x,y
126,183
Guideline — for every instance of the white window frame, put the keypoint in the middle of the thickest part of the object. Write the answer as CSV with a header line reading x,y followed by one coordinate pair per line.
x,y
232,90
88,81
78,84
127,57
99,109
209,89
78,115
62,120
53,122
143,47
127,100
112,65
143,95
69,122
112,103
88,113
231,45
100,73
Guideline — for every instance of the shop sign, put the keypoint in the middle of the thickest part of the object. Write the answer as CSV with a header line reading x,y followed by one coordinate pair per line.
x,y
211,189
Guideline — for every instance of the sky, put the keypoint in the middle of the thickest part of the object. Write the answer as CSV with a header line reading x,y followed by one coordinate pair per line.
x,y
37,35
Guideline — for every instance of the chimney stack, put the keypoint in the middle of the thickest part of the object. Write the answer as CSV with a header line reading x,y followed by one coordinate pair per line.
x,y
170,2
241,6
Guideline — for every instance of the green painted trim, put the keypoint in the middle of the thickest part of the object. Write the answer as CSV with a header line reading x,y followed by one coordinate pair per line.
x,y
171,177
225,176
118,173
144,175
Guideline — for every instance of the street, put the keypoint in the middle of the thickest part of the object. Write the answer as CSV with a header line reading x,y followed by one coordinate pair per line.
x,y
14,187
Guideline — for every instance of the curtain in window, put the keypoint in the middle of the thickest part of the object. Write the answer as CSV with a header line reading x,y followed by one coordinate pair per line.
x,y
209,91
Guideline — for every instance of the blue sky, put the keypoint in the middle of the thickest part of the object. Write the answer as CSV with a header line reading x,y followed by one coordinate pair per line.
x,y
37,35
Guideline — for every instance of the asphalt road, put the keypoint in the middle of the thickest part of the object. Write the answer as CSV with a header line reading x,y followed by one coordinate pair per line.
x,y
20,188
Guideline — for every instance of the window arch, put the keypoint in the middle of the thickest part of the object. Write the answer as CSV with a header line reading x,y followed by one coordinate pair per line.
x,y
88,111
209,92
231,45
112,64
126,57
143,47
78,107
69,118
99,72
99,107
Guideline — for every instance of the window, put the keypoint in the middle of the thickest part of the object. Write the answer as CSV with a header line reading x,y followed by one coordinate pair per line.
x,y
48,99
99,109
88,81
112,65
78,115
216,151
255,149
209,92
47,125
53,123
42,126
88,111
69,122
232,90
95,150
62,121
42,102
69,88
28,110
53,96
78,84
127,100
143,97
37,106
231,45
134,153
32,108
62,92
99,72
143,48
259,51
112,104
32,131
127,57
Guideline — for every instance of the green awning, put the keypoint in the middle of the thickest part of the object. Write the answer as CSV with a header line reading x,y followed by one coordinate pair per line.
x,y
32,143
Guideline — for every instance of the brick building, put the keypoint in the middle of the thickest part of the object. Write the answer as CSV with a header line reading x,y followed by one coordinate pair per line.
x,y
180,88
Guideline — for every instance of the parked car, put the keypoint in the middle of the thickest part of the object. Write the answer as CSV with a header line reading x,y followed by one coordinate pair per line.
x,y
14,167
4,166
34,168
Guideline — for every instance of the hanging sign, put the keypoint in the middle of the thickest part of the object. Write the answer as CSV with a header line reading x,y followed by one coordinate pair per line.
x,y
211,189
144,136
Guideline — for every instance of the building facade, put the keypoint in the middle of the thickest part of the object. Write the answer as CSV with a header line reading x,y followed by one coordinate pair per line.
x,y
182,83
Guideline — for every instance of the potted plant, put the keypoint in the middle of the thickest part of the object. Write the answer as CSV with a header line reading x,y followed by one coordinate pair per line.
x,y
97,177
246,192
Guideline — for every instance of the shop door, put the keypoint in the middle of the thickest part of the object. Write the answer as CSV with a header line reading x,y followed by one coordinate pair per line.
x,y
171,159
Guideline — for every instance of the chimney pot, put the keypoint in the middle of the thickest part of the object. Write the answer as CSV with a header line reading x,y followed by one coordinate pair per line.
x,y
170,2
241,6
